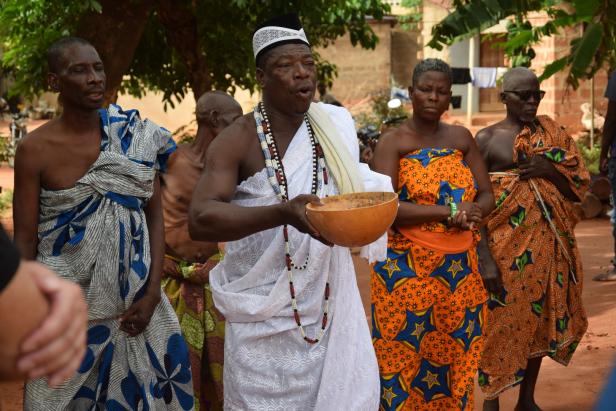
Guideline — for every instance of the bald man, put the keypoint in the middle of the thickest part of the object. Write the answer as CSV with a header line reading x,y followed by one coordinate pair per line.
x,y
528,247
188,262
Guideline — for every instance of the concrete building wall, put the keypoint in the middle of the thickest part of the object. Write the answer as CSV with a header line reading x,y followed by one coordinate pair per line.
x,y
458,57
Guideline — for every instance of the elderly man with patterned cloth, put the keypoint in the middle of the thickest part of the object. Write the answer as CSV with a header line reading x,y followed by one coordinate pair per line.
x,y
96,220
529,244
296,335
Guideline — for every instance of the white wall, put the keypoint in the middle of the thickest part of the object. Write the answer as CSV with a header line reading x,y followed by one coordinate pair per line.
x,y
458,57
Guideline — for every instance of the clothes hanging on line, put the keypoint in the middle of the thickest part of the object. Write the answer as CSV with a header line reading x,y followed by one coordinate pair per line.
x,y
461,75
484,77
456,101
500,72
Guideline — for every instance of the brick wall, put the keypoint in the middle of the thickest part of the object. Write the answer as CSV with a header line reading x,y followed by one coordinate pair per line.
x,y
404,49
360,72
561,102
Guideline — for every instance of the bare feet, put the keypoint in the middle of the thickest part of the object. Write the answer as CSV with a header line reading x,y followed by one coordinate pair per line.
x,y
491,405
526,406
606,276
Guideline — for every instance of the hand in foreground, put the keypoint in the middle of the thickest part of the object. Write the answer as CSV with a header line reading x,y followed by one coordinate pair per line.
x,y
460,220
56,348
537,167
296,209
473,211
171,268
135,320
490,274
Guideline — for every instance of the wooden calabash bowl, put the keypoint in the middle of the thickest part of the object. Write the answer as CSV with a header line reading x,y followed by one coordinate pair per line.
x,y
355,219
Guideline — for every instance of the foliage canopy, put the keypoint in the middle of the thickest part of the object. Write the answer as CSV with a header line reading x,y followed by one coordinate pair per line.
x,y
176,44
592,50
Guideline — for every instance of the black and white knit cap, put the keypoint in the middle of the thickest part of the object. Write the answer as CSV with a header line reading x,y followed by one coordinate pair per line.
x,y
277,31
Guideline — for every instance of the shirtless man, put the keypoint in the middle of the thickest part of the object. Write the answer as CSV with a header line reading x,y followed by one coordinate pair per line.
x,y
188,262
535,305
215,111
87,204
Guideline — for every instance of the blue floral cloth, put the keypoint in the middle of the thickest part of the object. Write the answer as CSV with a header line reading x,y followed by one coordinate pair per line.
x,y
95,234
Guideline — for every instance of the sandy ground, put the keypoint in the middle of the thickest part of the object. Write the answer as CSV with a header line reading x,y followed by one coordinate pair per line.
x,y
574,388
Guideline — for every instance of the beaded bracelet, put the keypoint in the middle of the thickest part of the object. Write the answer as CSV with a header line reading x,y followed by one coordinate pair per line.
x,y
454,209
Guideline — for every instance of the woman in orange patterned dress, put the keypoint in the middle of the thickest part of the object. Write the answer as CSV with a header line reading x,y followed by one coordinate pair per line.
x,y
428,296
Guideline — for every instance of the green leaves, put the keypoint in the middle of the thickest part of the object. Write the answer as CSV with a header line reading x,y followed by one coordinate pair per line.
x,y
583,51
537,308
553,68
27,28
224,37
472,16
588,53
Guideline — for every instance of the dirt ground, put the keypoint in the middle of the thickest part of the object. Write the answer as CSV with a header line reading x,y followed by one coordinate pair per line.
x,y
574,388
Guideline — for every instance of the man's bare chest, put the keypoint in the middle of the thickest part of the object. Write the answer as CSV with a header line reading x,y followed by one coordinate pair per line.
x,y
500,153
66,164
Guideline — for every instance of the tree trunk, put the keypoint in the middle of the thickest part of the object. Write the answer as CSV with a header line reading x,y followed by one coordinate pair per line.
x,y
115,33
181,25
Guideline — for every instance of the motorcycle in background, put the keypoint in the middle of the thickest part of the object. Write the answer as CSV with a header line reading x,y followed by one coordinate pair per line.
x,y
369,135
17,131
18,127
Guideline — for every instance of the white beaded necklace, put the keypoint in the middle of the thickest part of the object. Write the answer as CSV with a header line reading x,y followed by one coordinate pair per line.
x,y
278,180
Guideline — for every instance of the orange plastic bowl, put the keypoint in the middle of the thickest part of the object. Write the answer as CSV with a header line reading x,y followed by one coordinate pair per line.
x,y
355,219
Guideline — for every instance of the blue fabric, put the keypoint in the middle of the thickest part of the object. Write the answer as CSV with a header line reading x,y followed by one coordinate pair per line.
x,y
607,401
96,235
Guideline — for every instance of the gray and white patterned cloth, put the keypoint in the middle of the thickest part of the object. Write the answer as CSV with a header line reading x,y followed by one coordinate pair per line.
x,y
96,235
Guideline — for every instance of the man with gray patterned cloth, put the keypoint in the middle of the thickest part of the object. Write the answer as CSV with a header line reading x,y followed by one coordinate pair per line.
x,y
87,204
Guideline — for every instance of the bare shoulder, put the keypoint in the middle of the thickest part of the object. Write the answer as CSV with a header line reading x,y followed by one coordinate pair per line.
x,y
234,143
237,134
456,130
485,134
457,136
176,158
392,138
37,142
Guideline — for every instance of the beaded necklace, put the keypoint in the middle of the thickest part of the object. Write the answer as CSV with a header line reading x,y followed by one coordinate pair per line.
x,y
278,181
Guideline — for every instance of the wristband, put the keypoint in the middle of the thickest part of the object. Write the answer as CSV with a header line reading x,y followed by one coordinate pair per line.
x,y
454,208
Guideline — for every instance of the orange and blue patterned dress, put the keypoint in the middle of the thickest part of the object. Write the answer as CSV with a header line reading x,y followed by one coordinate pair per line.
x,y
428,297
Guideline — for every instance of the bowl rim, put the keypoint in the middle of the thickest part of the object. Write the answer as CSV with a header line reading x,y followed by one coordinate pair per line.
x,y
317,208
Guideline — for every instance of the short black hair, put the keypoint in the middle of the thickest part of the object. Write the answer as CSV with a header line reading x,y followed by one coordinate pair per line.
x,y
431,65
55,52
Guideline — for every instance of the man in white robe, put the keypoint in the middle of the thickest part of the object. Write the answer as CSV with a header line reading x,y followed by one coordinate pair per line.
x,y
268,363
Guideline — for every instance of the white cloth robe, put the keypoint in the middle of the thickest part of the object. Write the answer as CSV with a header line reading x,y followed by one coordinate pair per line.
x,y
268,366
